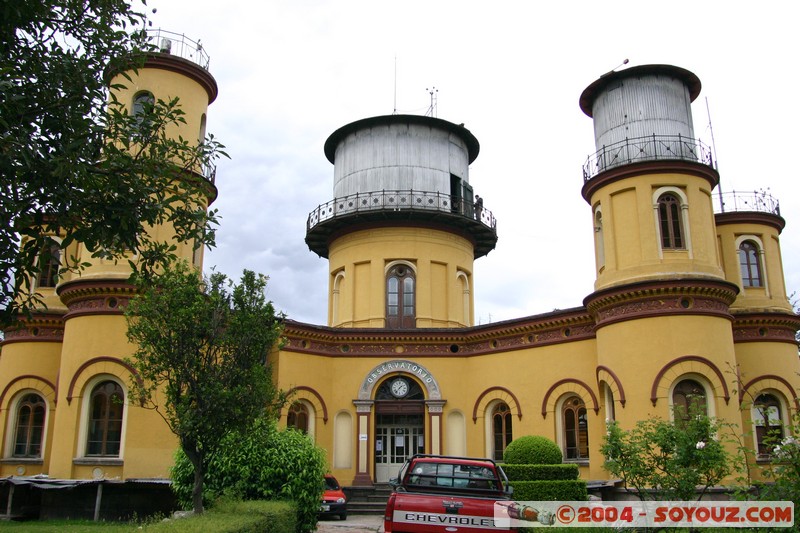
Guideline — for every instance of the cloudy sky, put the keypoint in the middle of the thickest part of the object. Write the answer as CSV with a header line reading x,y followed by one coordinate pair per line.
x,y
292,72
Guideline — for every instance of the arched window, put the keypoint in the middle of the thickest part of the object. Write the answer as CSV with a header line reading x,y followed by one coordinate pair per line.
x,y
688,398
49,264
400,298
105,420
576,429
298,417
142,106
142,103
670,221
501,429
768,422
750,263
30,426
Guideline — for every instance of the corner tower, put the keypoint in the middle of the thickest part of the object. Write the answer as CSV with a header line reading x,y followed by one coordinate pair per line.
x,y
661,302
404,226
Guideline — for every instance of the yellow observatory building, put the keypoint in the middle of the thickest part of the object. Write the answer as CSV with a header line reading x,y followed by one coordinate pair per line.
x,y
689,299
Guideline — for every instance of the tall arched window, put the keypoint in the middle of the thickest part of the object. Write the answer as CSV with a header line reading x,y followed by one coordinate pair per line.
x,y
298,417
143,103
30,426
670,221
750,264
689,397
105,420
501,429
400,298
768,423
576,429
49,264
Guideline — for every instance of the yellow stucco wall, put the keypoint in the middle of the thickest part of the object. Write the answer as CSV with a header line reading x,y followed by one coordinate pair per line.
x,y
629,228
358,265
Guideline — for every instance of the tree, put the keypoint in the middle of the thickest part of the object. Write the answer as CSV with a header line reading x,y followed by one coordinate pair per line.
x,y
668,460
67,159
261,463
202,347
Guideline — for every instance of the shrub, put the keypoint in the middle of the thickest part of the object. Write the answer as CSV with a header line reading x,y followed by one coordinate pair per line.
x,y
550,490
262,463
532,450
540,472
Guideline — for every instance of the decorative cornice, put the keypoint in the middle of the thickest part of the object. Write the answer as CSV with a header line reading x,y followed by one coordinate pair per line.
x,y
765,327
750,217
39,327
95,296
660,298
552,328
659,166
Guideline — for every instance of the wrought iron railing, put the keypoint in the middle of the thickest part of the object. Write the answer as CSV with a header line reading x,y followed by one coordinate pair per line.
x,y
177,44
400,200
649,148
209,170
735,201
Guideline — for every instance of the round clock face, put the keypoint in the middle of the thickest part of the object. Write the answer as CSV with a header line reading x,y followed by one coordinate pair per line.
x,y
399,387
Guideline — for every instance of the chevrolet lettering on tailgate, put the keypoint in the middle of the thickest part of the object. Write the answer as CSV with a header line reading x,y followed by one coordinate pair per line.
x,y
436,493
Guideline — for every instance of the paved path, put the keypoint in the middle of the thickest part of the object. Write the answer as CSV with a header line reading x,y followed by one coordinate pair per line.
x,y
353,524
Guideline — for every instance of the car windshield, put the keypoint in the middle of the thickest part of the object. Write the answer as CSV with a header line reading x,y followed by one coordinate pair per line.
x,y
331,483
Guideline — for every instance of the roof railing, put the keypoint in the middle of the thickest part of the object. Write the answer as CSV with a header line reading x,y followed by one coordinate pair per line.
x,y
649,148
400,200
179,45
753,201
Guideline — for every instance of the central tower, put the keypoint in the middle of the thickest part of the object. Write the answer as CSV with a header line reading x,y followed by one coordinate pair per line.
x,y
404,226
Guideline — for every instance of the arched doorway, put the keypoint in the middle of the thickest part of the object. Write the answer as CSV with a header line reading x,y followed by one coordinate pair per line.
x,y
398,401
399,424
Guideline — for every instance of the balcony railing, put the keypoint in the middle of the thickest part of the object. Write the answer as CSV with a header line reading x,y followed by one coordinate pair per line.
x,y
649,148
757,201
177,44
407,200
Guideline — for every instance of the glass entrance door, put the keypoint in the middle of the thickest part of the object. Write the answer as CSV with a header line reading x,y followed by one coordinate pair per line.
x,y
397,437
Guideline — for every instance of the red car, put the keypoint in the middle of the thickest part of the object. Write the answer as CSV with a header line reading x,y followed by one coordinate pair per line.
x,y
334,501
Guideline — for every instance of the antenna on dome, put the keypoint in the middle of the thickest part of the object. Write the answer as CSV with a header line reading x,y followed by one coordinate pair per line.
x,y
434,92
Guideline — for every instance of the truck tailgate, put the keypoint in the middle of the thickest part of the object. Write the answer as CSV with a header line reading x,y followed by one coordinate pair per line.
x,y
422,513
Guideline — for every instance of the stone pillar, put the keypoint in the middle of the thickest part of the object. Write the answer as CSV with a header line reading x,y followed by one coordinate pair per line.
x,y
435,408
363,414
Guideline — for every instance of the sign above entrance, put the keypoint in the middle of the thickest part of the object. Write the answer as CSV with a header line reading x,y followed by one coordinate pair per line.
x,y
399,366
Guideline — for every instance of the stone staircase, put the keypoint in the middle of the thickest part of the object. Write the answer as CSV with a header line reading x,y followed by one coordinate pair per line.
x,y
367,500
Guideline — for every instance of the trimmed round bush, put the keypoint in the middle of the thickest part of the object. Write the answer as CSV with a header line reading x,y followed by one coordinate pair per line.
x,y
532,450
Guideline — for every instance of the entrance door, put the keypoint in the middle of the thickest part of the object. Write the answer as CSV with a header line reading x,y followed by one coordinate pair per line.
x,y
397,437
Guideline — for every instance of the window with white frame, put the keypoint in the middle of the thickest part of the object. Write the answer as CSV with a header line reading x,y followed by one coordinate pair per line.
x,y
30,415
104,429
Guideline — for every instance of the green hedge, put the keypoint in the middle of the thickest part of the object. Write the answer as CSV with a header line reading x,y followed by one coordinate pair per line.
x,y
540,472
552,490
532,450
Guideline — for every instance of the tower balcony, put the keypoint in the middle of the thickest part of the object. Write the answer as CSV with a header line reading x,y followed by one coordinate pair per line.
x,y
177,44
750,201
648,148
399,207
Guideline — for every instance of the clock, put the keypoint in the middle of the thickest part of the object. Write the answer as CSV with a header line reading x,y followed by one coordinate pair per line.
x,y
399,387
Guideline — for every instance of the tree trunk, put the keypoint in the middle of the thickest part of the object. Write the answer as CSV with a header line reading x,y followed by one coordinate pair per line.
x,y
197,492
196,458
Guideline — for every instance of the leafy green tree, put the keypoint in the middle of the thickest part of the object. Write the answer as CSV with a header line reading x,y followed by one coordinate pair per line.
x,y
666,459
68,164
261,462
202,347
783,472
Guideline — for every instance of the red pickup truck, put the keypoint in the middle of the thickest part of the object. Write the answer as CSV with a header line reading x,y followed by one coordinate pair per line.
x,y
436,493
